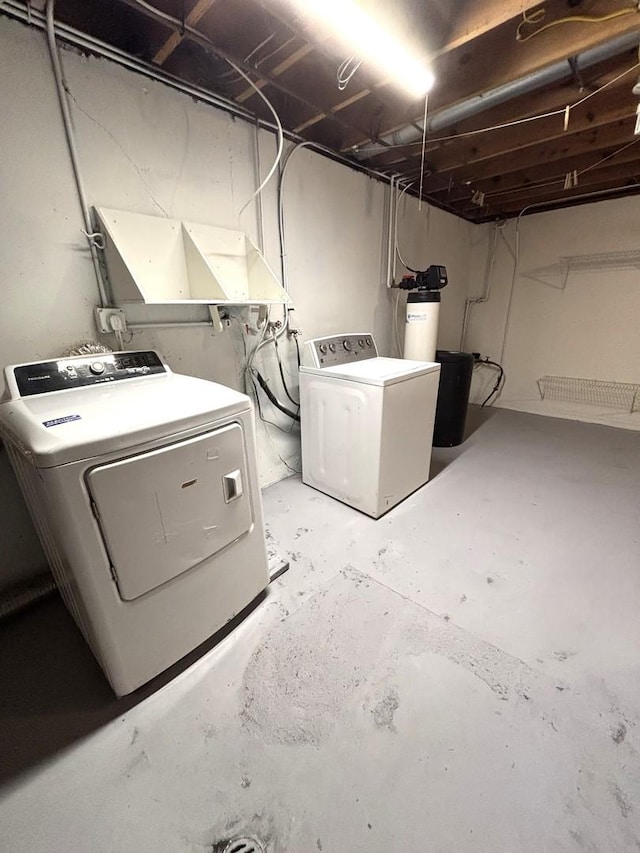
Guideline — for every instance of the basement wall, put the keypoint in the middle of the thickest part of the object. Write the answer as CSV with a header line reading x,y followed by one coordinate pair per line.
x,y
147,148
573,319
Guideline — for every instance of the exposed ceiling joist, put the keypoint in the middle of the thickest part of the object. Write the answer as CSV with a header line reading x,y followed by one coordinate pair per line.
x,y
479,18
470,157
513,204
484,79
279,69
472,75
199,10
607,136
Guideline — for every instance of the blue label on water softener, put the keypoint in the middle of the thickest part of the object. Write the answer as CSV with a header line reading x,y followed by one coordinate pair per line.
x,y
64,420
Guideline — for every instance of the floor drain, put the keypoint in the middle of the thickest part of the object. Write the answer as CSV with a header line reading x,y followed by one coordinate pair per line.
x,y
244,845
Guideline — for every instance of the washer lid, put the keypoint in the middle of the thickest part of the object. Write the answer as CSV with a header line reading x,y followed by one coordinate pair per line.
x,y
65,426
376,371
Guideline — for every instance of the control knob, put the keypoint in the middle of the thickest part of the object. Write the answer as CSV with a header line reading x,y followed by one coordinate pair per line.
x,y
347,345
332,347
323,348
97,367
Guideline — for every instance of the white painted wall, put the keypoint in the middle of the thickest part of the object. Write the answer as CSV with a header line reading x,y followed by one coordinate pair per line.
x,y
144,147
584,328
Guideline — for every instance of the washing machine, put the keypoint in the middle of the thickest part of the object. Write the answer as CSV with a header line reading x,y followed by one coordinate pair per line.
x,y
366,422
143,487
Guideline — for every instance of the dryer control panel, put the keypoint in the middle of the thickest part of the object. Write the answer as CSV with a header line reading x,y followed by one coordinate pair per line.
x,y
339,349
44,376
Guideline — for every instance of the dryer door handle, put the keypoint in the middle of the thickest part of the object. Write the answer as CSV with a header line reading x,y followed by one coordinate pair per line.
x,y
232,485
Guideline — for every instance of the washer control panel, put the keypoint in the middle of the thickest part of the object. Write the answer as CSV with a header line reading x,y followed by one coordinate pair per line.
x,y
78,370
339,349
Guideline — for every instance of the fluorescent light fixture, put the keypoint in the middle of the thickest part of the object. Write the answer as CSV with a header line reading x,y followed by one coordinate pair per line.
x,y
368,40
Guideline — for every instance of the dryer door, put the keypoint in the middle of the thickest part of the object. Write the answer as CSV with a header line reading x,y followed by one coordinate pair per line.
x,y
163,512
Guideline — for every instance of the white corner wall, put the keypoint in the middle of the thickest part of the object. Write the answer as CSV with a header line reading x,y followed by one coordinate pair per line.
x,y
145,147
583,327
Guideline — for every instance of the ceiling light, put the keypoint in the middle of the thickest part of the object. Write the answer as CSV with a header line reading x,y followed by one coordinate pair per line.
x,y
369,40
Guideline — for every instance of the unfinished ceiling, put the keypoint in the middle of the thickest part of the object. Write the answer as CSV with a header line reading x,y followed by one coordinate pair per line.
x,y
566,67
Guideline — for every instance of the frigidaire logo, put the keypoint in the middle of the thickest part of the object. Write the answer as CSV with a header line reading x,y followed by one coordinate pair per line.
x,y
38,378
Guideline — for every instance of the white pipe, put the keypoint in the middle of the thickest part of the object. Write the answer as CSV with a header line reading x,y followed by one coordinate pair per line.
x,y
516,261
259,205
73,152
486,288
390,221
396,250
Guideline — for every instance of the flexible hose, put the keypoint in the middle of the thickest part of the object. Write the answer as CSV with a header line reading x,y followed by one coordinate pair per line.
x,y
274,400
17,599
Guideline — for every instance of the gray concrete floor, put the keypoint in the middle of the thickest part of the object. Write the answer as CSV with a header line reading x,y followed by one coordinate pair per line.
x,y
461,675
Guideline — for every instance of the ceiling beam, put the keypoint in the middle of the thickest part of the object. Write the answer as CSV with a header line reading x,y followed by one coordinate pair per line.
x,y
529,106
279,69
203,41
470,158
537,175
199,10
588,195
592,171
598,142
479,18
603,138
497,58
473,25
327,52
618,178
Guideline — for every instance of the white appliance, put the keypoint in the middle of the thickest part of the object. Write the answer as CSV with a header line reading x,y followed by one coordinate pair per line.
x,y
144,490
367,422
421,327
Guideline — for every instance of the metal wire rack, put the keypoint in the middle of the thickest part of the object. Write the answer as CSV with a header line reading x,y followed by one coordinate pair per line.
x,y
594,392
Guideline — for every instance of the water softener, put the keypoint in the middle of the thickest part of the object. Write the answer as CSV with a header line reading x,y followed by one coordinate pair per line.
x,y
423,311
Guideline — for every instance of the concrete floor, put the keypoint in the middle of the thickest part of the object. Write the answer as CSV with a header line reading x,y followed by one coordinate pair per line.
x,y
460,676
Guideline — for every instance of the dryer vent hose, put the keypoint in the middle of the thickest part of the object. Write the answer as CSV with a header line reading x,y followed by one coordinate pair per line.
x,y
87,348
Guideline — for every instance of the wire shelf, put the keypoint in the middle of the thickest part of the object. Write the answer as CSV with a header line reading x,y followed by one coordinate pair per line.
x,y
629,259
593,392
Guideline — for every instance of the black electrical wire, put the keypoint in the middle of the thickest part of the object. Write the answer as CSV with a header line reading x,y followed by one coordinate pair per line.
x,y
271,423
282,376
498,383
295,338
273,399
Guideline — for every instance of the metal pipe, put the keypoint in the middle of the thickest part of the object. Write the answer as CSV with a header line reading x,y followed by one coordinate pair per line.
x,y
506,92
61,87
18,598
140,327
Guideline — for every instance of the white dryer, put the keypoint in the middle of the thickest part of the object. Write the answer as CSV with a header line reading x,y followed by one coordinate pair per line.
x,y
144,490
366,422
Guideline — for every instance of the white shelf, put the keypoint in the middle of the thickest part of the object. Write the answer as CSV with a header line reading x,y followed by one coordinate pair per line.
x,y
628,259
157,261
